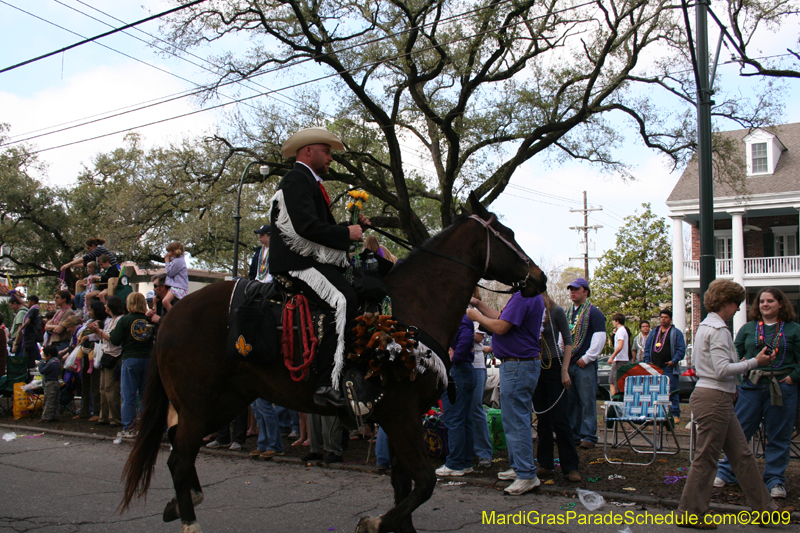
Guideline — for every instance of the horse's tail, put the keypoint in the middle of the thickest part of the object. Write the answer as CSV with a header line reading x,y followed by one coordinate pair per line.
x,y
138,471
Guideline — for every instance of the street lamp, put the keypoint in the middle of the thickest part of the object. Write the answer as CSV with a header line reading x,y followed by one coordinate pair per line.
x,y
264,170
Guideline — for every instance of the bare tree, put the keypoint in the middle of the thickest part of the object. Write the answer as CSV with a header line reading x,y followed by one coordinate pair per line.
x,y
471,90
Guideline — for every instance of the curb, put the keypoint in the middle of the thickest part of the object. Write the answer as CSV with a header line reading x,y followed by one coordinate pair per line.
x,y
479,482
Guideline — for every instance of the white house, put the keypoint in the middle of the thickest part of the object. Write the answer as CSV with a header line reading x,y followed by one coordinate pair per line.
x,y
755,233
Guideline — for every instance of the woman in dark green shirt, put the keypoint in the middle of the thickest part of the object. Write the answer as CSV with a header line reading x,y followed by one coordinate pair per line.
x,y
769,393
135,334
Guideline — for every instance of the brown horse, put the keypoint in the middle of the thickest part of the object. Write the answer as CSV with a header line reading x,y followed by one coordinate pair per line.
x,y
430,290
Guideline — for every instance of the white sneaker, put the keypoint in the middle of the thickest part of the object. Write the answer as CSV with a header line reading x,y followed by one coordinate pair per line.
x,y
214,444
235,447
521,486
507,475
719,482
469,470
778,491
443,471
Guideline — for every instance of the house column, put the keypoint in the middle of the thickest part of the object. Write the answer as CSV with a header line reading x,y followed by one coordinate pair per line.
x,y
737,264
678,292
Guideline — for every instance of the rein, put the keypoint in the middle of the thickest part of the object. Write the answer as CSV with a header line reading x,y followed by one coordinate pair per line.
x,y
515,286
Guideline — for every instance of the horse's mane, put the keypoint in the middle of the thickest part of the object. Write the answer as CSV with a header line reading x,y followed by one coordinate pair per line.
x,y
414,256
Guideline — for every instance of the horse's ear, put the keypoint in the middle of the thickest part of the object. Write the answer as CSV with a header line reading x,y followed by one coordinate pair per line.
x,y
477,207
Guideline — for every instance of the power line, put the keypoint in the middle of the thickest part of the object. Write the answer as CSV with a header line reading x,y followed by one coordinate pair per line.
x,y
364,65
280,67
106,34
505,193
546,194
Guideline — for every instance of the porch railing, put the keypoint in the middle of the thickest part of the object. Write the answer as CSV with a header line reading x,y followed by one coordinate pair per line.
x,y
752,266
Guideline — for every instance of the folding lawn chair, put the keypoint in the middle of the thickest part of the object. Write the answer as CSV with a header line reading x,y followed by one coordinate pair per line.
x,y
16,372
645,403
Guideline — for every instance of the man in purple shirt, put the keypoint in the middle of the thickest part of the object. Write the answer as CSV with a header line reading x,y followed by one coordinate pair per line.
x,y
515,341
457,415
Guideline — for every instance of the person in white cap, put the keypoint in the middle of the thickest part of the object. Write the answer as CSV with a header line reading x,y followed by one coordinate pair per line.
x,y
308,246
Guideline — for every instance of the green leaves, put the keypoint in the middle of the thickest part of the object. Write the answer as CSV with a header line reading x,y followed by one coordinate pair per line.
x,y
635,277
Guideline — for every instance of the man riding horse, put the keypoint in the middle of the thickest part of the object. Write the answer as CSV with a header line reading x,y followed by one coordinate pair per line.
x,y
311,249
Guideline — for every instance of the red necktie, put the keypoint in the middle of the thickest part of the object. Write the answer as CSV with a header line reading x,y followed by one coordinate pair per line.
x,y
324,193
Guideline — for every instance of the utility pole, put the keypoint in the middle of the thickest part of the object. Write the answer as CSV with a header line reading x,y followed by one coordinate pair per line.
x,y
585,228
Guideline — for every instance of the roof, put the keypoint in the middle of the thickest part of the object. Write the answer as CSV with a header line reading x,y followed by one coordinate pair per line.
x,y
786,177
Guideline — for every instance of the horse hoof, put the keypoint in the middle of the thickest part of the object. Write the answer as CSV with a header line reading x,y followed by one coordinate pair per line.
x,y
190,527
368,524
172,512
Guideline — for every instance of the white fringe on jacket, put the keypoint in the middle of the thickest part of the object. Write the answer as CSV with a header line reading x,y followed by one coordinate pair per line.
x,y
331,295
301,245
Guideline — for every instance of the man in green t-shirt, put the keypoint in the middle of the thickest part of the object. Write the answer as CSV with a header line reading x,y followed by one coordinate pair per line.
x,y
20,310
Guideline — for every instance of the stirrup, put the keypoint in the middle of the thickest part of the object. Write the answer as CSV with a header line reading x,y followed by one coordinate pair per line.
x,y
360,395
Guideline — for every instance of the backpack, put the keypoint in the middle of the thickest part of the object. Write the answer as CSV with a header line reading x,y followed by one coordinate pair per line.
x,y
38,328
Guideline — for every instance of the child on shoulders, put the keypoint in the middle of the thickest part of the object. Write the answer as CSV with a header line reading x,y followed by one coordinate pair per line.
x,y
177,274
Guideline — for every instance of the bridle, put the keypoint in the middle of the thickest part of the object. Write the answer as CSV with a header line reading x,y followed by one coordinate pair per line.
x,y
515,286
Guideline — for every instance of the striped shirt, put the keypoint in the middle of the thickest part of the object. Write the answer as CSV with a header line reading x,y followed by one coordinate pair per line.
x,y
97,252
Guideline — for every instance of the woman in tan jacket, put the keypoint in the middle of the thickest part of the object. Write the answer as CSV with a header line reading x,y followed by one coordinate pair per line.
x,y
718,429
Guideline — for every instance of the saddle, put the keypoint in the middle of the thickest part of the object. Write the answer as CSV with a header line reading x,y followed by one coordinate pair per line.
x,y
255,321
382,347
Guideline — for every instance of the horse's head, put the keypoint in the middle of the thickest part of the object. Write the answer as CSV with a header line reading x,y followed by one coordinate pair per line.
x,y
506,261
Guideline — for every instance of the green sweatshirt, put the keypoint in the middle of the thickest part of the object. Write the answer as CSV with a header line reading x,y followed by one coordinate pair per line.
x,y
747,347
135,334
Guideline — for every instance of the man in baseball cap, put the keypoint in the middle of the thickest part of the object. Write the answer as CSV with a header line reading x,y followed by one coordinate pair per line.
x,y
259,265
308,246
588,327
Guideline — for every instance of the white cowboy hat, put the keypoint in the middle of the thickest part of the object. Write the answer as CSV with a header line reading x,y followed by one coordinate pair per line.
x,y
310,136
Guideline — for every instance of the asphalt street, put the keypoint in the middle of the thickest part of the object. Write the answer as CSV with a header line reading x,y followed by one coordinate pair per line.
x,y
52,483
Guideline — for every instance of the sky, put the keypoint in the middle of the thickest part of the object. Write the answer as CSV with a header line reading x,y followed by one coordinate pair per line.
x,y
88,82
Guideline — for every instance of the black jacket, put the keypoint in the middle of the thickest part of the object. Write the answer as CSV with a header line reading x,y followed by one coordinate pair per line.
x,y
312,222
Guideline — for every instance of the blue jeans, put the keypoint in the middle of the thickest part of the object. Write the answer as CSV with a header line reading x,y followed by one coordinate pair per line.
x,y
382,450
518,380
674,379
480,427
269,431
285,419
583,402
752,407
458,417
132,382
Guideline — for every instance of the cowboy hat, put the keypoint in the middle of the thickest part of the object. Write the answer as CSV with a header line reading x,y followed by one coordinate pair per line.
x,y
310,136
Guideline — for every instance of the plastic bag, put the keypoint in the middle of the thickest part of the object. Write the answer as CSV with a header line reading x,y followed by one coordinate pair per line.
x,y
98,354
591,500
72,359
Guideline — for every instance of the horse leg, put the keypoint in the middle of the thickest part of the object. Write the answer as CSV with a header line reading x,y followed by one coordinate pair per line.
x,y
188,439
171,511
411,464
402,484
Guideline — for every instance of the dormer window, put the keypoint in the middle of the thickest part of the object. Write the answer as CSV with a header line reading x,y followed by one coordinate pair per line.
x,y
759,157
763,150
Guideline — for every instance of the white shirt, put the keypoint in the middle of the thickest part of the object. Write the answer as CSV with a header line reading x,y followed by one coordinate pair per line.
x,y
312,172
477,348
621,335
